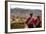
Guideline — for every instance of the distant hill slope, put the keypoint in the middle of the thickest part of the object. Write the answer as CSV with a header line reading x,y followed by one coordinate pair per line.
x,y
23,12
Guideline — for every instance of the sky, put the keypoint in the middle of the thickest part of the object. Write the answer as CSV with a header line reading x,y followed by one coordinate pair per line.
x,y
25,6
